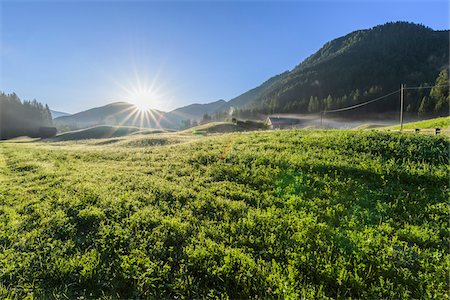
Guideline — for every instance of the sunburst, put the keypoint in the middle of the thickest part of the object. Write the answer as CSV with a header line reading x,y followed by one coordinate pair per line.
x,y
146,93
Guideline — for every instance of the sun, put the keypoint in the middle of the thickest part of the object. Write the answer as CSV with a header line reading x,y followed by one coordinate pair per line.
x,y
145,95
144,90
142,99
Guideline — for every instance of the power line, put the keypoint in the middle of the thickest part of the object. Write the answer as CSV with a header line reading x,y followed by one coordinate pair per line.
x,y
382,97
360,104
425,87
402,88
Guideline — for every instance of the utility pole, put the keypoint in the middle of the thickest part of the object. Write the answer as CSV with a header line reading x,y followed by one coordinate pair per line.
x,y
321,118
402,87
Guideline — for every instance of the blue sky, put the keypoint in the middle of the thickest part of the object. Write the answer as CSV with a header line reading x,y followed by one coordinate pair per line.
x,y
75,55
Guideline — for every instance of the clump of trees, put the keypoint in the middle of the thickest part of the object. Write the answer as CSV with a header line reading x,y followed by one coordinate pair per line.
x,y
188,123
24,118
438,100
206,119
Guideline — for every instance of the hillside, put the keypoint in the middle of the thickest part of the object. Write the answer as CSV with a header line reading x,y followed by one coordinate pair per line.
x,y
252,95
56,114
194,112
197,110
254,215
118,113
443,123
126,114
355,68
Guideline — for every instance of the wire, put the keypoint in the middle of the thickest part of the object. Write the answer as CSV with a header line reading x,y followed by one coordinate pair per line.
x,y
382,97
425,87
360,104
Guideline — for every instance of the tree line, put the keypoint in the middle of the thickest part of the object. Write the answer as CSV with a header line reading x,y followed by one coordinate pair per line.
x,y
24,118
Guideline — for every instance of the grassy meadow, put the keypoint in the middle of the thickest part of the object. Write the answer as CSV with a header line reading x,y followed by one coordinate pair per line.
x,y
443,123
281,214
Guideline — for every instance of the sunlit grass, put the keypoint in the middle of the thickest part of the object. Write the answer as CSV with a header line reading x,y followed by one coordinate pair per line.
x,y
281,214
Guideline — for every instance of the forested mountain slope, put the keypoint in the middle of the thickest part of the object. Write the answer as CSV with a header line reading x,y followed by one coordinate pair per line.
x,y
358,67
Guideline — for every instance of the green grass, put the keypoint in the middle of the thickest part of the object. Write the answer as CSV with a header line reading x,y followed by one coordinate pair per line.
x,y
443,123
283,214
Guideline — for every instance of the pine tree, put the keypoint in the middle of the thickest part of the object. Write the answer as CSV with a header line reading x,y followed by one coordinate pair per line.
x,y
329,102
425,106
313,105
355,97
48,120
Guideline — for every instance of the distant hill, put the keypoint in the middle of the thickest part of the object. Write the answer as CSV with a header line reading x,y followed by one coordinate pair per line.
x,y
126,114
195,111
355,68
118,113
56,114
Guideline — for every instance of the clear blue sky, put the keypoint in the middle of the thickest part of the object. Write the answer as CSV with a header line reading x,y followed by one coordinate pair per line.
x,y
81,54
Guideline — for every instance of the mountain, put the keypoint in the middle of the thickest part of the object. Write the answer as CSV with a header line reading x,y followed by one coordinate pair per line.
x,y
197,110
126,114
194,112
250,96
118,113
355,68
56,114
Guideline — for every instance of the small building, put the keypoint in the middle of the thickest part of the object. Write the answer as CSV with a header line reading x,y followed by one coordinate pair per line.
x,y
283,122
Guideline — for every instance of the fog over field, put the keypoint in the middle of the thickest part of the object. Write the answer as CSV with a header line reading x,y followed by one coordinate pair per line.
x,y
327,121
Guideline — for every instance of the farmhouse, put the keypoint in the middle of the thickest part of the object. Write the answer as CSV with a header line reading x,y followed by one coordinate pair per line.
x,y
282,122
